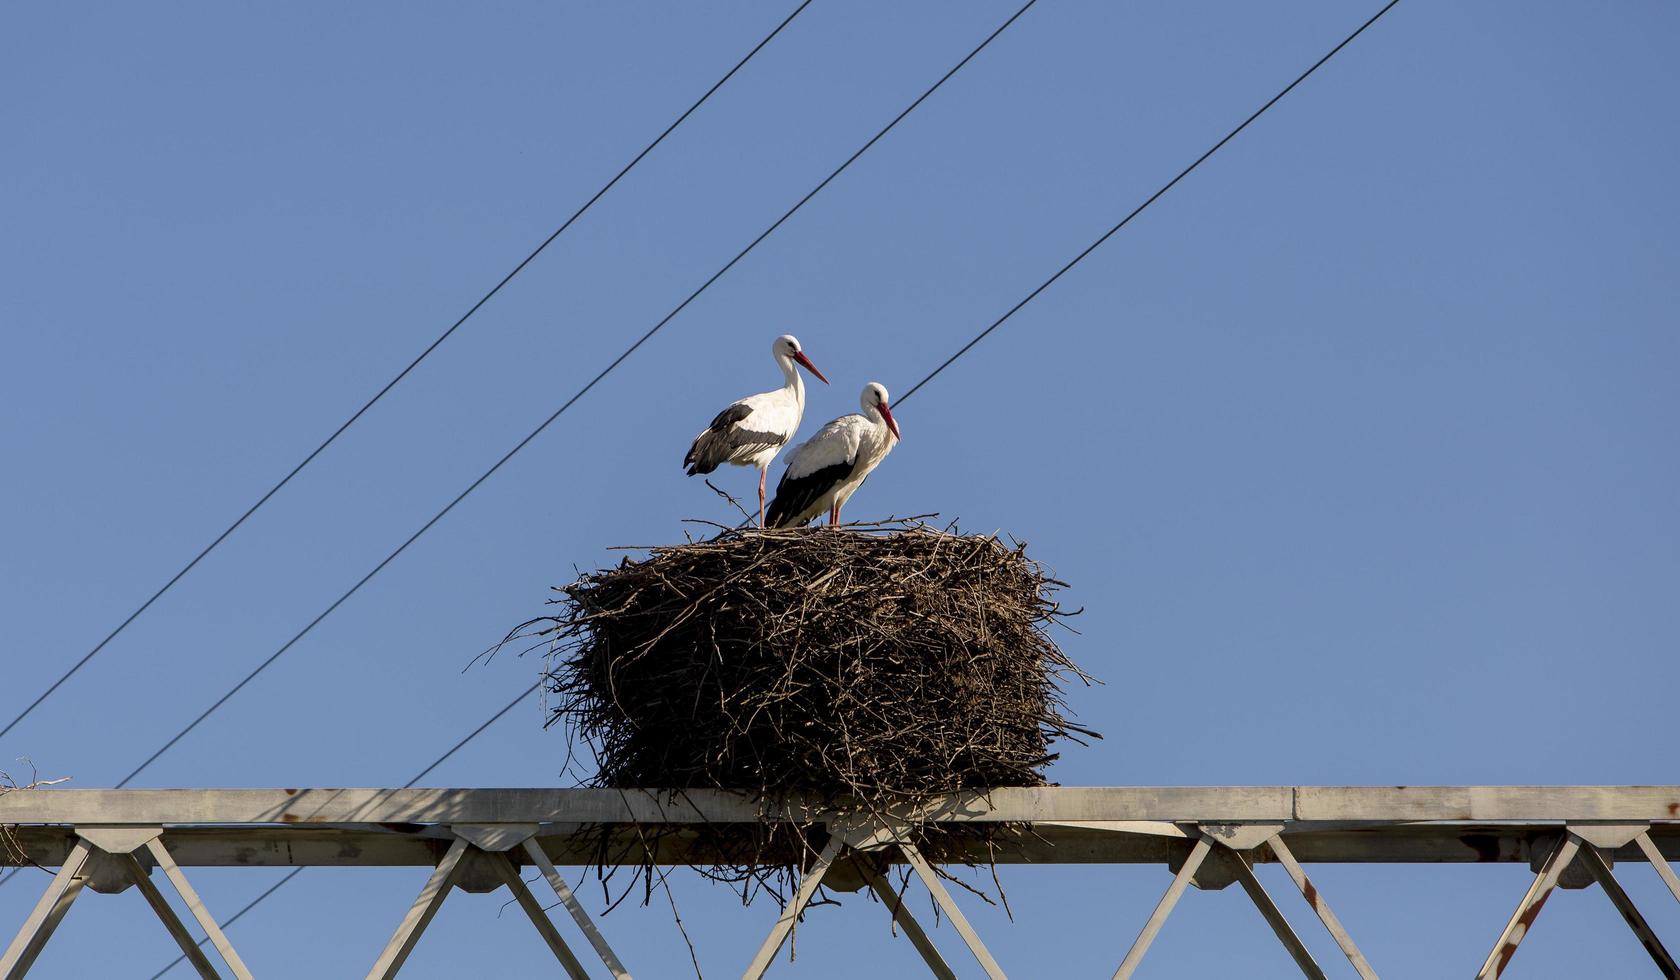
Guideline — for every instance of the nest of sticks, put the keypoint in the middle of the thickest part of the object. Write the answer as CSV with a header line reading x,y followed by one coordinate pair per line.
x,y
874,668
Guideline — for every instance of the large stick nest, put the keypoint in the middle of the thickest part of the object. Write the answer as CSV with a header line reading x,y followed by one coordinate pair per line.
x,y
875,666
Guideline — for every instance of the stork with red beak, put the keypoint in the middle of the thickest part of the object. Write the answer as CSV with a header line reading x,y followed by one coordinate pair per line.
x,y
752,431
826,469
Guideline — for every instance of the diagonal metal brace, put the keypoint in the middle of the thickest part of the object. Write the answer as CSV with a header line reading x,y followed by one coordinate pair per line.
x,y
581,917
1275,919
47,914
1163,908
1528,909
790,913
197,907
539,918
1314,898
952,911
1600,869
912,929
420,914
1659,862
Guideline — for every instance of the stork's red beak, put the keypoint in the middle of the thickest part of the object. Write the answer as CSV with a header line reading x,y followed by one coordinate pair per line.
x,y
799,356
886,413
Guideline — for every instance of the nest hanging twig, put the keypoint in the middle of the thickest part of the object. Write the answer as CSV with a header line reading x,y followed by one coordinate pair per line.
x,y
876,667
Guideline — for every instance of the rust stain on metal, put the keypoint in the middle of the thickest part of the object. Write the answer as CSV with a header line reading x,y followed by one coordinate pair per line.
x,y
1674,809
1310,891
1527,920
1486,846
291,791
288,818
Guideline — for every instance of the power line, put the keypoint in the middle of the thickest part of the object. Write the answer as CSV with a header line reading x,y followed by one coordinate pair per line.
x,y
276,655
947,363
400,375
1105,236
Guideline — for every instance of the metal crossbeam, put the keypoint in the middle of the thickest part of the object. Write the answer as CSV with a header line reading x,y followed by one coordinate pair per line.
x,y
301,807
100,837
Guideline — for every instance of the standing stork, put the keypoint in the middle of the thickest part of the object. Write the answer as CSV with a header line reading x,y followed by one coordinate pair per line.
x,y
826,469
753,430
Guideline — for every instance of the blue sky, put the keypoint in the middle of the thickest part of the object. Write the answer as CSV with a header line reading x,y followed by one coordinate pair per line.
x,y
1358,447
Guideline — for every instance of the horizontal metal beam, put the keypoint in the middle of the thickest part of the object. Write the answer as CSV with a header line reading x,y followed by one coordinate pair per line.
x,y
1051,803
372,845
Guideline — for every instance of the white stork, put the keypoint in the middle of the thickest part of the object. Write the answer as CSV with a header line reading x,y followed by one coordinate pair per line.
x,y
826,469
753,430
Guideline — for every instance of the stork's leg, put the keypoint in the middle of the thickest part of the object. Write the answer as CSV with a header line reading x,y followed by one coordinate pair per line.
x,y
762,472
834,515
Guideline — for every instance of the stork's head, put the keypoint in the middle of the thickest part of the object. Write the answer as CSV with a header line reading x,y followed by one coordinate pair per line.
x,y
874,399
786,348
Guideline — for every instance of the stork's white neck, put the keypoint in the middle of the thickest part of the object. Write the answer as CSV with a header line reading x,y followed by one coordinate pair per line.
x,y
793,382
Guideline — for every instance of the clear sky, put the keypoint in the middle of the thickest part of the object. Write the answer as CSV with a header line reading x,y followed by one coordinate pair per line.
x,y
1359,447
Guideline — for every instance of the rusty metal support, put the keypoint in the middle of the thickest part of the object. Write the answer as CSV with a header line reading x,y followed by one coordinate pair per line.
x,y
1310,892
563,892
47,914
420,914
1275,918
912,929
790,913
1600,869
1163,908
1529,908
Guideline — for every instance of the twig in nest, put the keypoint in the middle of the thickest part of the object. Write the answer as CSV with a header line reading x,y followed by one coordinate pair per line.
x,y
725,494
